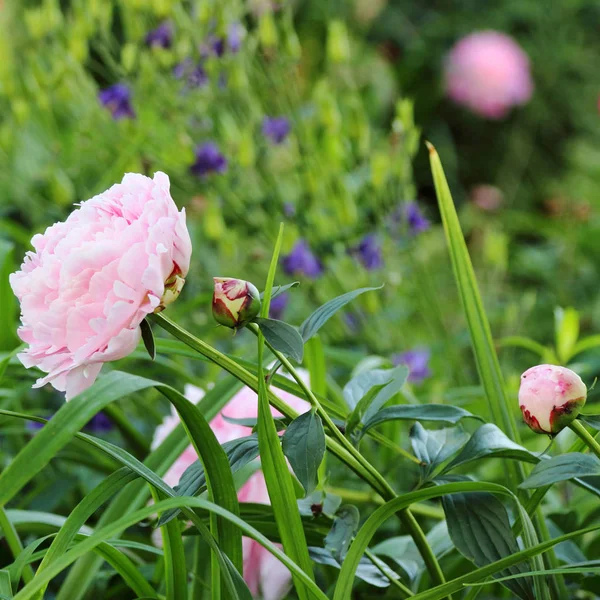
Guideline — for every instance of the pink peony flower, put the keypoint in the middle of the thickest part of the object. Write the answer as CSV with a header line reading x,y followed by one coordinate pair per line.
x,y
550,397
265,575
92,279
488,72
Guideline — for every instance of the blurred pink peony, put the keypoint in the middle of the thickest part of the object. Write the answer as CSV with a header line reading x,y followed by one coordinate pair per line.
x,y
550,397
265,575
92,279
488,72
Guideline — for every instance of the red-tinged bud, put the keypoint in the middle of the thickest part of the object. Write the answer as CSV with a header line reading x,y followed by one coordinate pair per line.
x,y
550,397
235,302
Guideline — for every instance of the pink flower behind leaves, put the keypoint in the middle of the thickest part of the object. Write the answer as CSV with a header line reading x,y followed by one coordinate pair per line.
x,y
265,575
92,279
488,72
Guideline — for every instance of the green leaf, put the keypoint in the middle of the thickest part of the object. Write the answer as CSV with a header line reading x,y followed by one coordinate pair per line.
x,y
366,570
8,302
404,552
83,511
280,289
275,469
566,331
442,413
592,420
303,444
432,448
561,468
488,366
342,531
280,422
233,578
368,392
148,338
73,415
320,316
343,588
239,453
283,337
5,587
479,527
107,532
488,442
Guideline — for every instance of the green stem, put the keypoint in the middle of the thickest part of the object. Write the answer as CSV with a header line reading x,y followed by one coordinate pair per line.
x,y
393,580
14,542
350,456
586,436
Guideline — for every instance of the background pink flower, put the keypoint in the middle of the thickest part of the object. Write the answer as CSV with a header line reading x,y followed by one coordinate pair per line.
x,y
265,575
488,72
92,279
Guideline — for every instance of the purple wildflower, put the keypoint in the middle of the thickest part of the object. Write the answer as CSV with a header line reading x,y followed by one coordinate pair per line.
x,y
276,129
194,74
352,321
417,222
117,98
208,160
369,252
289,210
301,261
417,360
99,423
161,37
33,426
235,34
278,305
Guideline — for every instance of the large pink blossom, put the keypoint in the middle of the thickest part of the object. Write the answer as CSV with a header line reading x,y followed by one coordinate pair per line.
x,y
92,279
265,575
488,72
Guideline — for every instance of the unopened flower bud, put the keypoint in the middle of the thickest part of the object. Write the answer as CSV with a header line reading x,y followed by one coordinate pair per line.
x,y
550,397
235,302
173,286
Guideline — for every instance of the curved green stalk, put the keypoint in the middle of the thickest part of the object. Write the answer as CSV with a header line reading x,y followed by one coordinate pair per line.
x,y
14,542
586,436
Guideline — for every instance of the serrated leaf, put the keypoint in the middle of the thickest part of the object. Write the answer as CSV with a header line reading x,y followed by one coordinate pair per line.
x,y
239,453
561,468
342,531
479,527
441,413
283,337
280,289
368,392
304,446
434,447
148,338
320,316
489,441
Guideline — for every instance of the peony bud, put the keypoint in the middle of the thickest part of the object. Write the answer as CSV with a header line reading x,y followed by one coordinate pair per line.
x,y
235,302
550,397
